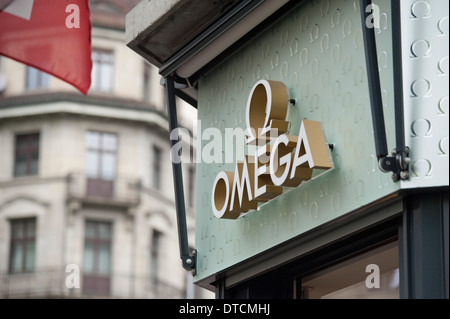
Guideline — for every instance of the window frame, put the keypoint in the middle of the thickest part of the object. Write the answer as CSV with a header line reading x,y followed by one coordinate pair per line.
x,y
95,280
29,151
156,167
155,256
97,241
97,74
100,151
24,242
36,79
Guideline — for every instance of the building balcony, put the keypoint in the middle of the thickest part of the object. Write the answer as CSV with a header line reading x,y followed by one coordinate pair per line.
x,y
119,191
57,283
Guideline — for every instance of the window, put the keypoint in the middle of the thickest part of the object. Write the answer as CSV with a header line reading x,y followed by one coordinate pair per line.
x,y
23,245
146,82
36,79
374,274
102,70
97,257
101,161
26,161
154,256
157,156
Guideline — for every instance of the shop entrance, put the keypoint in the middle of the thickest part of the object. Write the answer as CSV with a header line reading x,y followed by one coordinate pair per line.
x,y
402,256
336,271
372,275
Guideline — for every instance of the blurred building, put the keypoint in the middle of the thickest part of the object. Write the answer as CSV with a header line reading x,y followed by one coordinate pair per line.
x,y
374,77
86,182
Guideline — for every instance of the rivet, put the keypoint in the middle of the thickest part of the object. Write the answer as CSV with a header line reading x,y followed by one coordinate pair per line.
x,y
404,174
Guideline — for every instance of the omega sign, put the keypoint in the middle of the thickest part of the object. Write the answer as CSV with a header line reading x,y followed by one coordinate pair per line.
x,y
280,160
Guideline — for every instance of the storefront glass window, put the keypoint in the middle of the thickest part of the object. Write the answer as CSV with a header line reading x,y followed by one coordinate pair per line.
x,y
372,275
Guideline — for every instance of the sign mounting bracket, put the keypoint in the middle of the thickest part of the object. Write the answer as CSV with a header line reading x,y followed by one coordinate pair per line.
x,y
189,261
398,163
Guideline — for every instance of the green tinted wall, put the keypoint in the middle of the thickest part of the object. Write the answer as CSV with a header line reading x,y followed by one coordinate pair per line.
x,y
317,51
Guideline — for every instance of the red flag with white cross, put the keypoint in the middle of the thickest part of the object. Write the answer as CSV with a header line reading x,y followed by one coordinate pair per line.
x,y
53,36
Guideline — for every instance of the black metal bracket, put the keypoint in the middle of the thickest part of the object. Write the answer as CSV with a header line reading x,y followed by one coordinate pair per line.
x,y
189,261
398,163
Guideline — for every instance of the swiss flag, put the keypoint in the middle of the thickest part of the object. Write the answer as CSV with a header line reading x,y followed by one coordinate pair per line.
x,y
53,36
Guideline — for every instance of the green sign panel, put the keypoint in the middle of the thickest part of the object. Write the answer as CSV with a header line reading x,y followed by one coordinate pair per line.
x,y
317,52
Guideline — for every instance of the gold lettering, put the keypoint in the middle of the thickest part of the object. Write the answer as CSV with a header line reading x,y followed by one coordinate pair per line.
x,y
286,162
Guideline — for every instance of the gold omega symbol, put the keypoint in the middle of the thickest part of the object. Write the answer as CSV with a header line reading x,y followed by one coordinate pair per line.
x,y
279,160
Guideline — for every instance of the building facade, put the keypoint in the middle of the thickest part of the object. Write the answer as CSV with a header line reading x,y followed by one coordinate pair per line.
x,y
86,194
350,100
